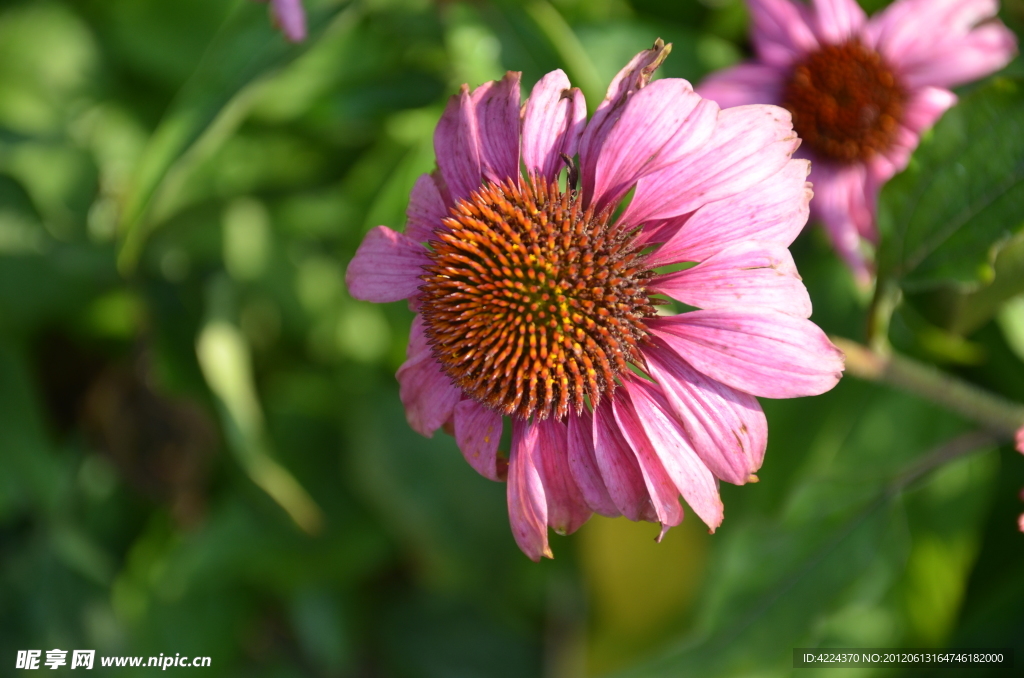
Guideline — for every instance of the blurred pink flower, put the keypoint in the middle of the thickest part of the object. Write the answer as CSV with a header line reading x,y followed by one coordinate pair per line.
x,y
289,17
536,302
1020,440
862,90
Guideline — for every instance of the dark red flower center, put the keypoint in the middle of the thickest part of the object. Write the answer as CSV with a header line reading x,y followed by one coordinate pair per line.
x,y
846,102
531,303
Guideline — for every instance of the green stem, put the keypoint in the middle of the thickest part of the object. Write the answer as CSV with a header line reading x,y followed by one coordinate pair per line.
x,y
998,415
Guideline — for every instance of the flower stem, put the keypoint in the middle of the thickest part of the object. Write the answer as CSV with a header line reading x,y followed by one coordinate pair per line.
x,y
997,414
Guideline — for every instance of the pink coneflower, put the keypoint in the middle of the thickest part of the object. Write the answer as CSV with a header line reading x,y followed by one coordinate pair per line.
x,y
536,301
289,16
862,90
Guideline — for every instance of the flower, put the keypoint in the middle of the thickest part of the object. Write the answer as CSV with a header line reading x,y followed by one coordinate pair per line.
x,y
1019,440
289,16
862,90
536,301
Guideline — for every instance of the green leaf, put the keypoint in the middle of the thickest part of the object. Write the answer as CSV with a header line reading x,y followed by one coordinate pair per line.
x,y
945,218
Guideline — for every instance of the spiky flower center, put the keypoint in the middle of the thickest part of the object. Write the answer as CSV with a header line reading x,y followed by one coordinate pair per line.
x,y
846,102
531,303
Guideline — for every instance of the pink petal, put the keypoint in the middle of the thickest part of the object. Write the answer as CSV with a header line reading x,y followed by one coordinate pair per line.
x,y
750,274
925,106
726,427
750,144
764,354
289,15
648,423
982,52
836,21
1019,442
477,433
775,211
426,392
749,83
527,505
663,491
633,77
553,123
457,146
660,125
781,31
847,210
496,108
426,210
583,464
619,468
387,267
567,509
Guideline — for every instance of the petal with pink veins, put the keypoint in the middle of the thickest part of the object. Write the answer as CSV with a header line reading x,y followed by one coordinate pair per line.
x,y
773,211
496,109
836,21
660,125
527,505
386,267
749,274
567,509
749,83
477,433
782,31
457,146
426,210
554,120
750,144
583,464
661,486
726,427
619,468
765,354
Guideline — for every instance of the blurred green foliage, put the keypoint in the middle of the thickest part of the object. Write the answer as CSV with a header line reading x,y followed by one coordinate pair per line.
x,y
202,450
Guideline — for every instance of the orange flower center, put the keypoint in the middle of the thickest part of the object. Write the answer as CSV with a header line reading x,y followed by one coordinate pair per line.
x,y
531,304
846,102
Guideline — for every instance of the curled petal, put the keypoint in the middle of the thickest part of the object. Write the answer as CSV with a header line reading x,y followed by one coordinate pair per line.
x,y
477,433
742,85
726,427
567,509
750,144
387,267
751,274
663,491
426,211
775,211
527,505
765,354
619,468
583,464
554,120
496,109
457,146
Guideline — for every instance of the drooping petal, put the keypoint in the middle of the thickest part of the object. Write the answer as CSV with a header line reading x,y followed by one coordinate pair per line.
x,y
619,468
660,485
567,509
554,120
750,144
750,274
925,106
633,77
774,211
477,433
387,267
426,392
782,31
726,427
846,210
669,441
583,464
426,210
457,146
496,109
749,83
527,505
836,21
765,354
660,124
